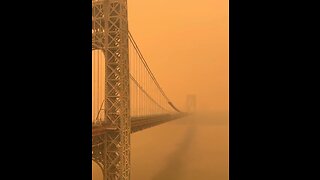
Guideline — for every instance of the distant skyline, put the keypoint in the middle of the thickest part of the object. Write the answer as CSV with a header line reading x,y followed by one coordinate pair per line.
x,y
186,45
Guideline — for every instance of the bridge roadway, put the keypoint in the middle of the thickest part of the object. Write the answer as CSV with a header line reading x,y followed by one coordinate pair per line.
x,y
139,123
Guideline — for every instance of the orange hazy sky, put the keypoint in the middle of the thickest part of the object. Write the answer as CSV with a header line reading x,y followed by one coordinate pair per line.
x,y
185,43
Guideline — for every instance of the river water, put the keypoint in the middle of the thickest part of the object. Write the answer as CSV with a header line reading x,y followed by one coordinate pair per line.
x,y
191,148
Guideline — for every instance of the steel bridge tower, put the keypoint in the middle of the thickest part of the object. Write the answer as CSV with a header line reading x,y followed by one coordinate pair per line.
x,y
191,103
111,150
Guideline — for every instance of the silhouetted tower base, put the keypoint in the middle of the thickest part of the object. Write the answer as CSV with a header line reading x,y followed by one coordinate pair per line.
x,y
111,150
191,104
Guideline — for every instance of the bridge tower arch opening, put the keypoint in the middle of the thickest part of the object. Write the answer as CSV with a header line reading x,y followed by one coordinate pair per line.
x,y
98,86
97,170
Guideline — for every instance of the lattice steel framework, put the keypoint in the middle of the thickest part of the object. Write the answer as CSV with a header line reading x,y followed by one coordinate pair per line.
x,y
111,150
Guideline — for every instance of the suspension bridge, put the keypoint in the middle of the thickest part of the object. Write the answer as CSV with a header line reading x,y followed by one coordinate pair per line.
x,y
126,96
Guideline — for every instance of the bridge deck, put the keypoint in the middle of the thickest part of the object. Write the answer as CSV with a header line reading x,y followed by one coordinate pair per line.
x,y
139,123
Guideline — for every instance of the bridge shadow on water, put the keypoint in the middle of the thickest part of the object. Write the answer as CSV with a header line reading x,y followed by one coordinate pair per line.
x,y
175,161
